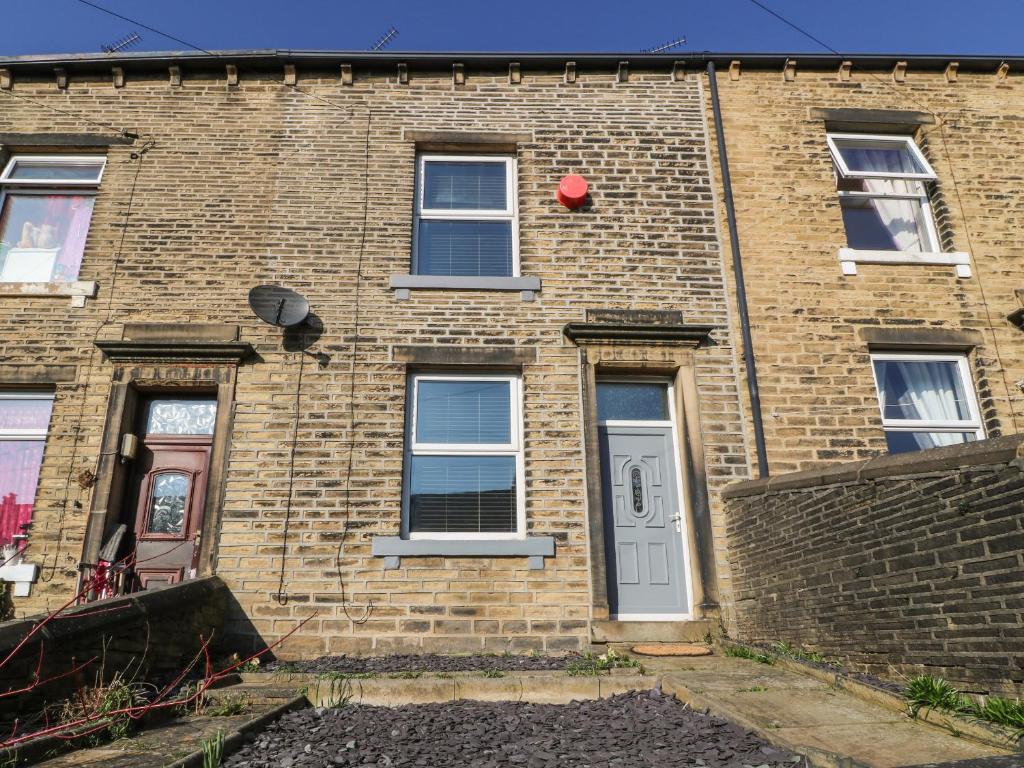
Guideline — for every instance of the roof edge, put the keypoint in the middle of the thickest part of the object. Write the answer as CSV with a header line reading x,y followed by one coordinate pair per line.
x,y
268,57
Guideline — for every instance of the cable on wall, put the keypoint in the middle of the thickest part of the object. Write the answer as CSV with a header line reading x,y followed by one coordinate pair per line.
x,y
368,608
138,155
282,595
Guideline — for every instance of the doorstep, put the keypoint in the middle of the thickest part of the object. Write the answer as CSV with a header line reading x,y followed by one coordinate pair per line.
x,y
650,631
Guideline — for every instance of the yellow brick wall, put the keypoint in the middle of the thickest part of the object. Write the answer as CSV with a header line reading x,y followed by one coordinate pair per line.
x,y
818,396
259,183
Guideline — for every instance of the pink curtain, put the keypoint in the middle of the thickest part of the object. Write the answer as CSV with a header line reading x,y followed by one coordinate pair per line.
x,y
20,461
69,215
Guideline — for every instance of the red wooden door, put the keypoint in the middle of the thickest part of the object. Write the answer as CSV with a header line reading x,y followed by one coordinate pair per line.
x,y
169,515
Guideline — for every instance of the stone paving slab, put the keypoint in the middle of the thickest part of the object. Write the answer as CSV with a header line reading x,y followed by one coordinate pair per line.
x,y
806,715
155,747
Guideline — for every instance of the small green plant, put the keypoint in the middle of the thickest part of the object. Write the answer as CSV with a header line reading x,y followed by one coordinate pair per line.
x,y
408,675
445,675
926,692
752,689
742,652
1006,712
336,692
589,664
800,654
492,673
230,705
213,750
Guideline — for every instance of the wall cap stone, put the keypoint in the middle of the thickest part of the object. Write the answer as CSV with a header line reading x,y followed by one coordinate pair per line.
x,y
999,450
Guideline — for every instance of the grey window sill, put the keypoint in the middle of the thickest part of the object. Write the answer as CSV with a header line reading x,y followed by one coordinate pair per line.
x,y
527,286
77,288
393,548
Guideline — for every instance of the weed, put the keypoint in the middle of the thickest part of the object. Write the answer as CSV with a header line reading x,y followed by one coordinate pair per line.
x,y
492,673
230,705
445,675
925,692
409,675
742,652
335,675
800,654
589,664
1005,712
103,700
213,750
338,692
752,689
709,639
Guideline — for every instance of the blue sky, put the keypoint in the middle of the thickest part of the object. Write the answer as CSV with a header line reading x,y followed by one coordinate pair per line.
x,y
854,26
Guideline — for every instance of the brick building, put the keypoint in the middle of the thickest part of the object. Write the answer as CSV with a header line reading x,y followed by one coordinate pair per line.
x,y
421,462
507,423
882,273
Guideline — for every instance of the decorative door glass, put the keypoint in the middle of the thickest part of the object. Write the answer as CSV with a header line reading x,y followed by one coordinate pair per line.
x,y
181,417
167,501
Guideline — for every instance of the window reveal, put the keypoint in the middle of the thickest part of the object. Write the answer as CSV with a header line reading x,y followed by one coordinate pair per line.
x,y
46,205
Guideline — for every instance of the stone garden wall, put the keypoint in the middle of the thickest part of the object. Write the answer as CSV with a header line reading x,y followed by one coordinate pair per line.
x,y
901,565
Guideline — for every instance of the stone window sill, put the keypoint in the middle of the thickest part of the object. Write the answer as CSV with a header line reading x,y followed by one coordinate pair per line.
x,y
849,258
394,548
526,286
22,575
79,289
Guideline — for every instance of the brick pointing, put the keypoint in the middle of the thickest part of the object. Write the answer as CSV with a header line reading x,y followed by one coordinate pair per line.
x,y
816,385
258,183
903,565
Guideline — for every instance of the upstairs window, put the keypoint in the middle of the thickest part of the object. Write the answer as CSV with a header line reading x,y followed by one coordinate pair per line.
x,y
926,401
882,185
464,457
24,420
465,222
46,205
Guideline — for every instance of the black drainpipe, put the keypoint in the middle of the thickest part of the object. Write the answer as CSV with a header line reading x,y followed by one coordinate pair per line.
x,y
741,291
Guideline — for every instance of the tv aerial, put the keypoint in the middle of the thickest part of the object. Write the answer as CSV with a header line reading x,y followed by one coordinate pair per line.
x,y
278,305
127,41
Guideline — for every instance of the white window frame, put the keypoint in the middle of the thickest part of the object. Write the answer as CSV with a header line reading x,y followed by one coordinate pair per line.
x,y
93,160
26,434
513,448
927,425
509,213
48,187
931,252
834,139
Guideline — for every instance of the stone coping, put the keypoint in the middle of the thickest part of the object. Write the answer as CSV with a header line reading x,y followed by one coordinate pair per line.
x,y
96,616
999,450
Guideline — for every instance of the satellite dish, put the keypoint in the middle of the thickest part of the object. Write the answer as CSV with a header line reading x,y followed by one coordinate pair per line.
x,y
278,305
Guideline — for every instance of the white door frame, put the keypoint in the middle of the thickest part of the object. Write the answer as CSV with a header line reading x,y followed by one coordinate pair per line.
x,y
672,424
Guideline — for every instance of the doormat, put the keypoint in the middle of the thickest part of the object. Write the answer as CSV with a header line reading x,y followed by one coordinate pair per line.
x,y
672,649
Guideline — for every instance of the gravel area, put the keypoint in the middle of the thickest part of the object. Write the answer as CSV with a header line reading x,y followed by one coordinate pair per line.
x,y
427,662
631,729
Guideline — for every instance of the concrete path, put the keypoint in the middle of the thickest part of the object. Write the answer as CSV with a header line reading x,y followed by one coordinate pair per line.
x,y
830,726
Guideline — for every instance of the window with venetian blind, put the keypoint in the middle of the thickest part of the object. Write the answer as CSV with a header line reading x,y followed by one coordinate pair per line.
x,y
464,457
465,219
